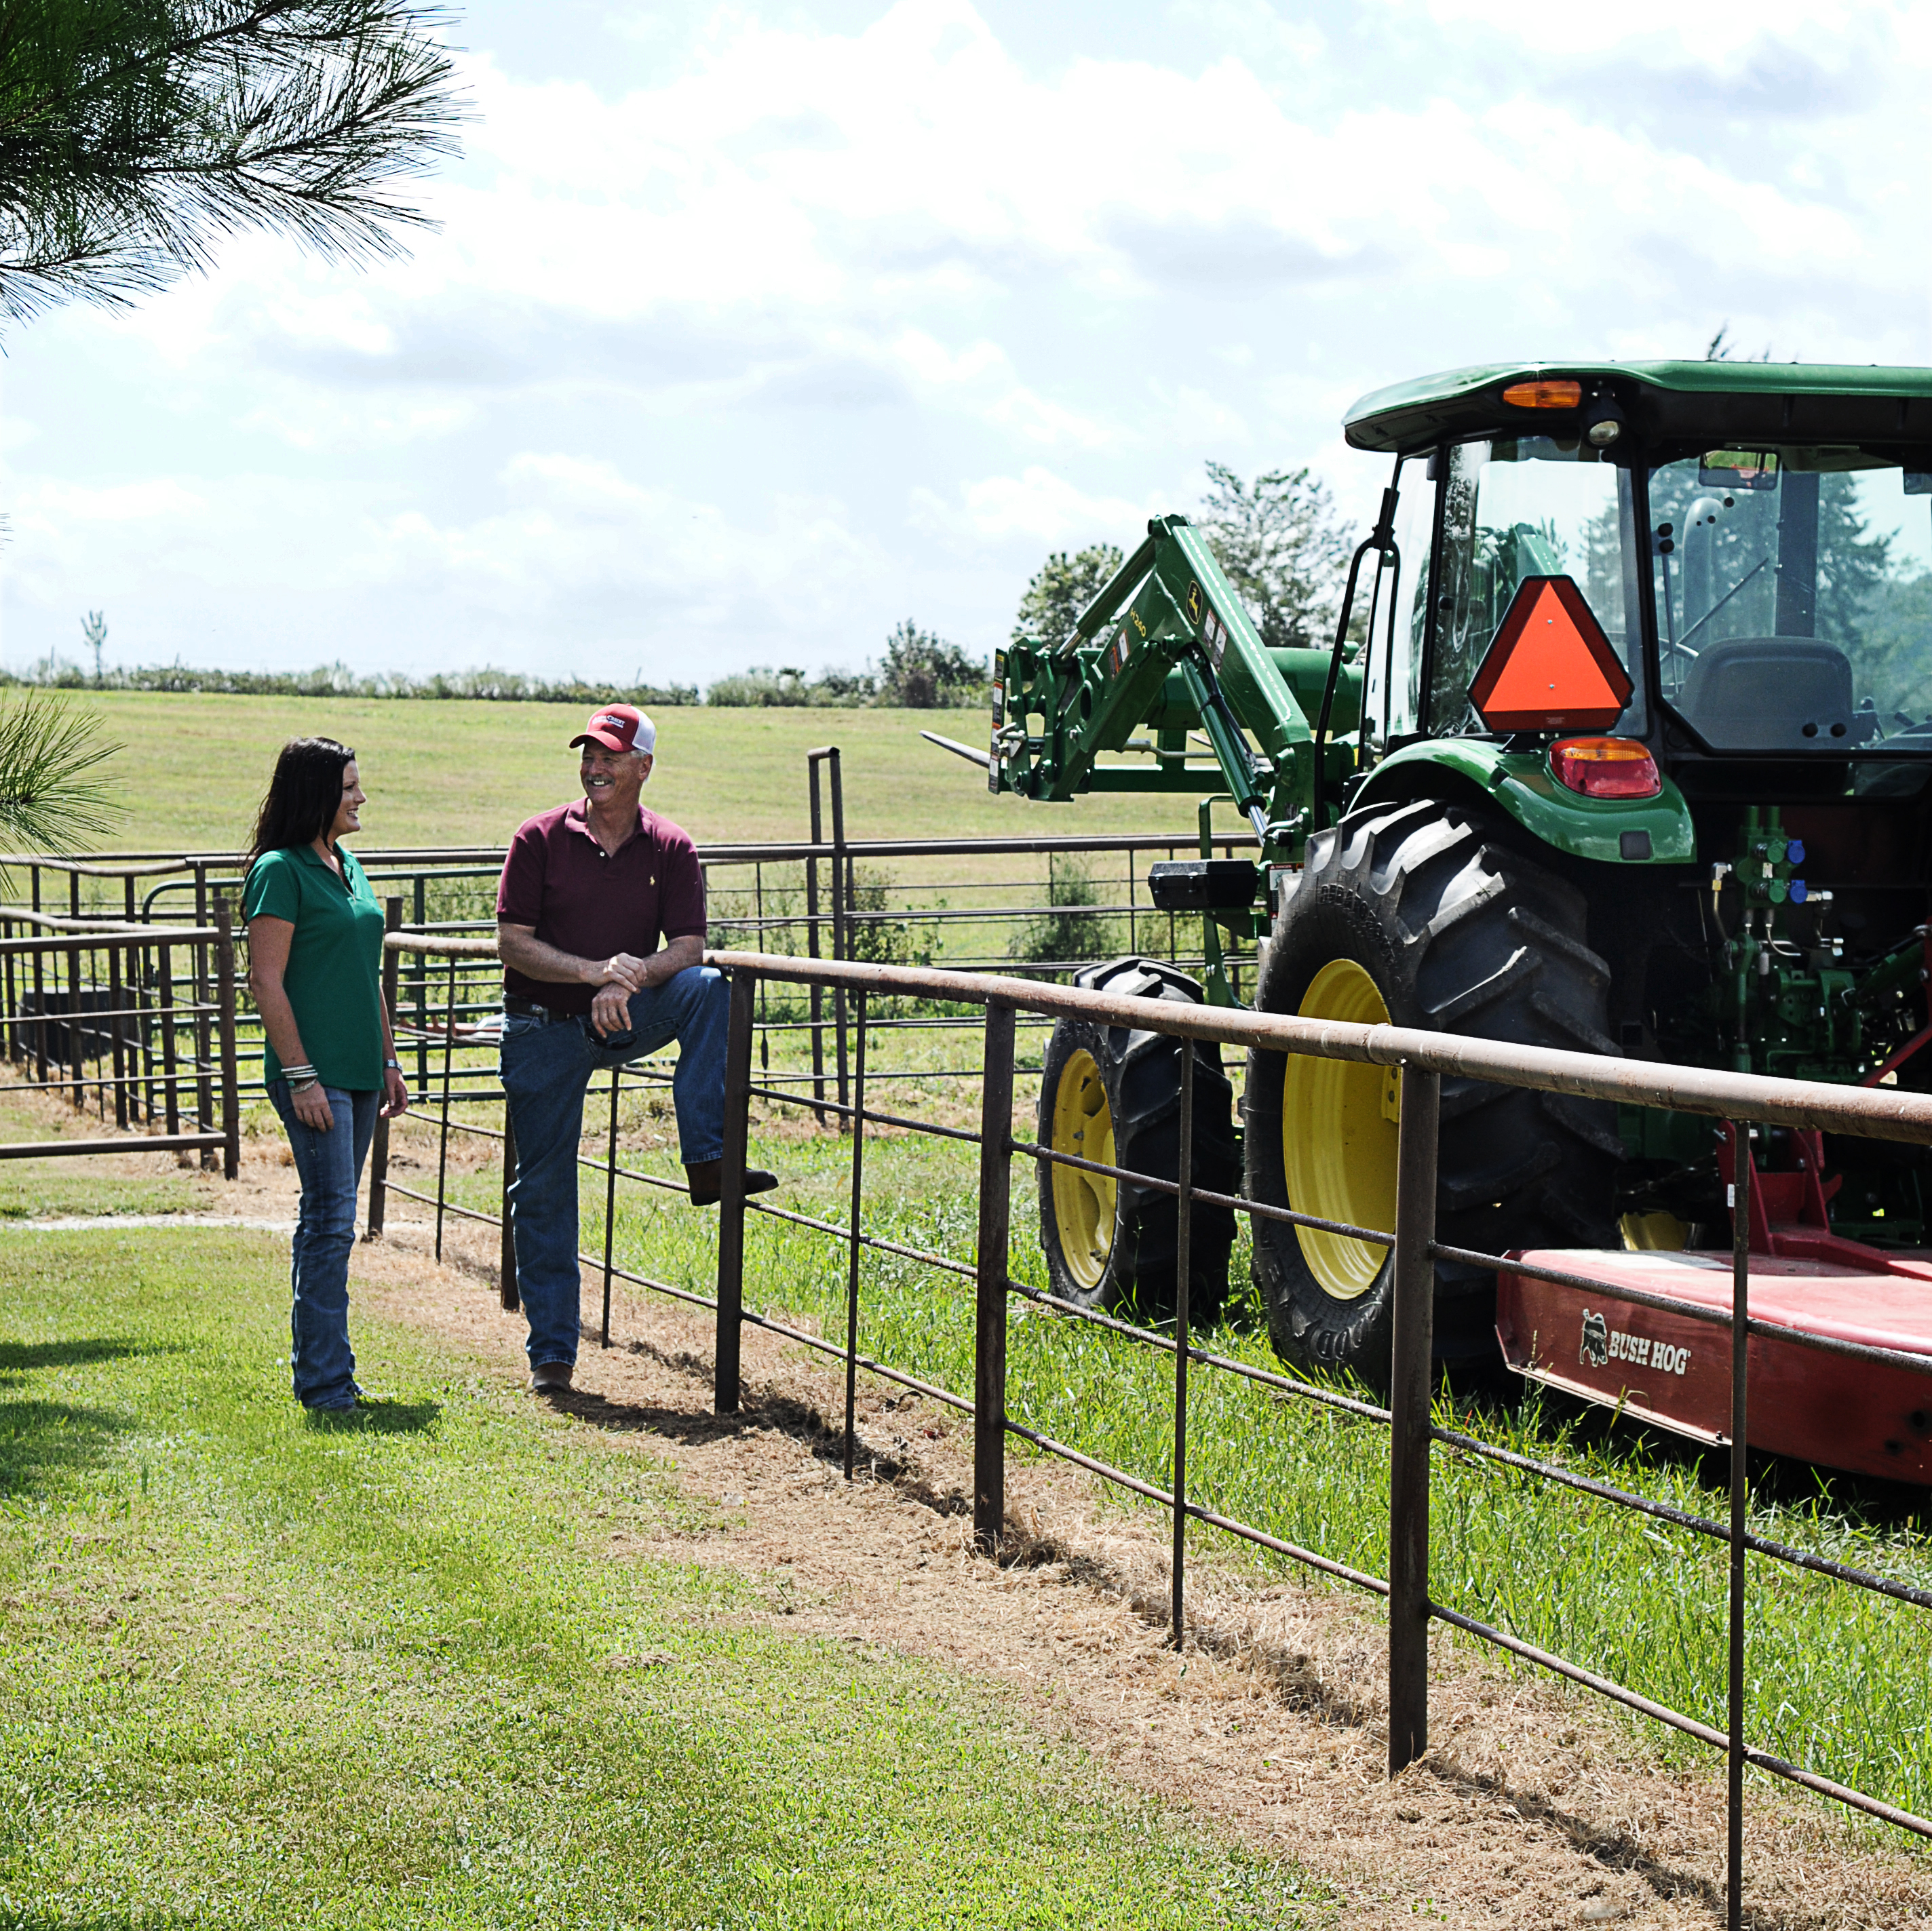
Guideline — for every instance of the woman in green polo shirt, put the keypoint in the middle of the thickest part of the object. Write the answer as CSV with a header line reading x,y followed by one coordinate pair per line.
x,y
315,965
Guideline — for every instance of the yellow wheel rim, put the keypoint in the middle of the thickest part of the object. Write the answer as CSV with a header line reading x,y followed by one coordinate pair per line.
x,y
1083,1202
1339,1124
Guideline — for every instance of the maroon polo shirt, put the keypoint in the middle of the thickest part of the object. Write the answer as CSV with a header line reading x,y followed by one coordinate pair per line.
x,y
581,899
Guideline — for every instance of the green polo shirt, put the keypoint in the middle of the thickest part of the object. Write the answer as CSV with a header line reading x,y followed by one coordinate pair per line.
x,y
335,975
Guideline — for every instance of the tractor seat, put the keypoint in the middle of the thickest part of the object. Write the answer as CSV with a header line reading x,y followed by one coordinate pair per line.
x,y
1771,693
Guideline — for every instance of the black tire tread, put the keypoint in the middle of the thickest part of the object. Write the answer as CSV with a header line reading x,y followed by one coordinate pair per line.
x,y
1463,932
1142,1070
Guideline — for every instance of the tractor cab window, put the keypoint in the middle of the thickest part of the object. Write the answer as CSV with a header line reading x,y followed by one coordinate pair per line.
x,y
1532,506
1794,598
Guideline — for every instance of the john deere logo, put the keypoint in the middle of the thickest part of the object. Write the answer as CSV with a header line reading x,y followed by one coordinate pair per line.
x,y
1194,603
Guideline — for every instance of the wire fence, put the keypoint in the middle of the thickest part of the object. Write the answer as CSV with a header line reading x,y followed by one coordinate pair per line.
x,y
1003,1007
134,1024
127,1003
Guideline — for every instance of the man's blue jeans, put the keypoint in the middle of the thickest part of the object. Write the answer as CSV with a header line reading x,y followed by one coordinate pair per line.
x,y
329,1166
547,1065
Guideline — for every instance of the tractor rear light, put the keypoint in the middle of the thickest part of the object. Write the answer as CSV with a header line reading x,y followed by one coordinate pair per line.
x,y
1606,767
1544,395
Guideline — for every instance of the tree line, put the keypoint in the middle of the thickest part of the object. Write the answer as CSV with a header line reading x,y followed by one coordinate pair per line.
x,y
1277,538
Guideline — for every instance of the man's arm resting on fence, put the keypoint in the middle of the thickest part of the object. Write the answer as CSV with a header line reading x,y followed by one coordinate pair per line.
x,y
615,978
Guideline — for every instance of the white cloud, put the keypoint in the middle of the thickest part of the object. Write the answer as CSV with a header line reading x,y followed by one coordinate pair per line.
x,y
782,332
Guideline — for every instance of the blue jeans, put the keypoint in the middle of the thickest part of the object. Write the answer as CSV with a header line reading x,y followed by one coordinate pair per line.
x,y
329,1166
547,1064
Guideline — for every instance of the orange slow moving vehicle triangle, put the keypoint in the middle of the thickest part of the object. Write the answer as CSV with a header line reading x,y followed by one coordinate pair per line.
x,y
1549,666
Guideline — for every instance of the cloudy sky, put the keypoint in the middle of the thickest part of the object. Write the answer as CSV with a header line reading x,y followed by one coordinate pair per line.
x,y
751,330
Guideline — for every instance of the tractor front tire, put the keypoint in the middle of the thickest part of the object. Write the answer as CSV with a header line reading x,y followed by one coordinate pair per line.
x,y
1422,915
1112,1094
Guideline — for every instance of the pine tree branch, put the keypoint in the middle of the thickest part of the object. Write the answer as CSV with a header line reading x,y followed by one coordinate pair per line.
x,y
135,135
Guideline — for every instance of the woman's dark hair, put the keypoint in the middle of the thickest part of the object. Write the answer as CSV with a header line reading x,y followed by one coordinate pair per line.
x,y
302,796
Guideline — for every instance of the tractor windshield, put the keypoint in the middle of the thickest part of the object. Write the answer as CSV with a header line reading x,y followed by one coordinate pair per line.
x,y
1531,506
1794,599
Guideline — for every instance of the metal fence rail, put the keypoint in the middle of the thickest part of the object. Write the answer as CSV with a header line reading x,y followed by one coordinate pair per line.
x,y
136,1022
1424,1058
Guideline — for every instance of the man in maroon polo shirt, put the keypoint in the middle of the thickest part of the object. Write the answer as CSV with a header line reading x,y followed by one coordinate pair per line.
x,y
587,890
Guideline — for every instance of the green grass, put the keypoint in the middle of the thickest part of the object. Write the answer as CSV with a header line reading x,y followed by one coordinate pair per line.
x,y
260,1673
75,1184
459,773
1840,1680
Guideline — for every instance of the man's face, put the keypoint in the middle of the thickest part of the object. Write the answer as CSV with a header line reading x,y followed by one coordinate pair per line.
x,y
613,777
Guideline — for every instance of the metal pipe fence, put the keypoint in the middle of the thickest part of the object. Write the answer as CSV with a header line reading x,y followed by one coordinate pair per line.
x,y
827,896
135,1023
1424,1058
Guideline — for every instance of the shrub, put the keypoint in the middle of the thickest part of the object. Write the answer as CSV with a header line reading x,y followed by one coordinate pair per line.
x,y
1067,933
882,941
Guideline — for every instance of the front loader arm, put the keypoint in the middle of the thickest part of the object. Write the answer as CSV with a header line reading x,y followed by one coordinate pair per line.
x,y
1166,645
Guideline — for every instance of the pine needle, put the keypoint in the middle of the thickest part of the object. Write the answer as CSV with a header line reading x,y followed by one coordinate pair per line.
x,y
52,798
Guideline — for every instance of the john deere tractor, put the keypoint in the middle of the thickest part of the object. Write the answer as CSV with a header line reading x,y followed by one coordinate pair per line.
x,y
1633,755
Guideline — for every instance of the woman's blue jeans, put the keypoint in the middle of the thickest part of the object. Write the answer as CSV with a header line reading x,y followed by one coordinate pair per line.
x,y
329,1166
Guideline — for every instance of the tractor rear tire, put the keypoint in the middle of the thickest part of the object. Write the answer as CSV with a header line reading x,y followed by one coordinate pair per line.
x,y
1112,1094
1422,915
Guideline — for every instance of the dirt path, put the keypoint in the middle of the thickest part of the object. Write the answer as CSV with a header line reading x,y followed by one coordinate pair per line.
x,y
1536,1808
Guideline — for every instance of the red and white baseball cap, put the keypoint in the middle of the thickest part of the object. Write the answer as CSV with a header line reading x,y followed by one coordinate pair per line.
x,y
619,727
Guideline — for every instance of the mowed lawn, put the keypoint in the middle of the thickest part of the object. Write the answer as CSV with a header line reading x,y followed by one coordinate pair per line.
x,y
467,773
259,1673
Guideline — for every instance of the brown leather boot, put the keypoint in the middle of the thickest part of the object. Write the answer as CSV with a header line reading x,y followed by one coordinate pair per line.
x,y
707,1181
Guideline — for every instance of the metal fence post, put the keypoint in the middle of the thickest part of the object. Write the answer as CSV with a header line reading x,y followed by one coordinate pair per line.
x,y
448,1051
204,1088
841,928
724,1372
379,1148
989,1328
857,1249
231,1094
1412,1387
811,758
1741,1195
1184,1230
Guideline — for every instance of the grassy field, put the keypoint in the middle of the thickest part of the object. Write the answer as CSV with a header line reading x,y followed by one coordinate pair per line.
x,y
258,1673
463,773
1840,1680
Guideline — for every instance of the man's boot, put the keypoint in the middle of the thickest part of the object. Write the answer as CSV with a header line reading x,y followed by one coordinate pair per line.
x,y
707,1181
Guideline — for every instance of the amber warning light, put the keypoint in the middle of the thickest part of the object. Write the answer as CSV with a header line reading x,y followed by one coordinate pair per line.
x,y
1545,394
1549,667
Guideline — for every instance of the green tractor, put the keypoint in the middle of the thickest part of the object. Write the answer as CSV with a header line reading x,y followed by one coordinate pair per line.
x,y
1623,744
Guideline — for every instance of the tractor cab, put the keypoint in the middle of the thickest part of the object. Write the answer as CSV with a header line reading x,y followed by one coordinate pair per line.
x,y
1755,542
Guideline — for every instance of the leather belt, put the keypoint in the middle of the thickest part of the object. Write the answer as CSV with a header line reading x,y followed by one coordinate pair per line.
x,y
528,1009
